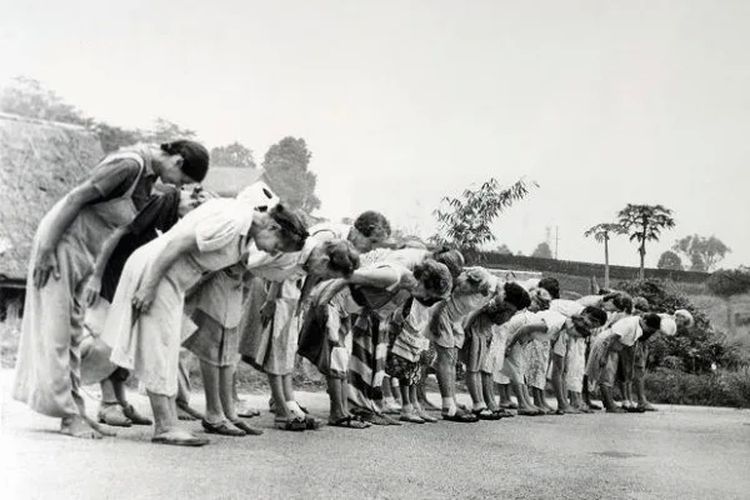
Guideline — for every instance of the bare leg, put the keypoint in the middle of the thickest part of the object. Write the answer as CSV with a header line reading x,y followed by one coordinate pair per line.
x,y
337,393
214,411
558,363
166,427
488,391
277,393
474,384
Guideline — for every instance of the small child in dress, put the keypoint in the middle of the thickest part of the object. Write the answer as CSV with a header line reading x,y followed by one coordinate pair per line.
x,y
477,354
404,357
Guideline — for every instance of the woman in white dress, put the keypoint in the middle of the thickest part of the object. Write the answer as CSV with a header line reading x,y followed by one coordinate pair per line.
x,y
145,323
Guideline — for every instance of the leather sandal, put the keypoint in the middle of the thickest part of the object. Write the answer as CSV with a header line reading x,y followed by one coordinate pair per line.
x,y
221,428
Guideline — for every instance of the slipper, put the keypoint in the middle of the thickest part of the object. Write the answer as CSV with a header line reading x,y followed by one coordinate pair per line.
x,y
290,424
486,414
466,418
635,409
593,406
349,422
135,417
221,428
249,431
529,413
559,412
180,441
509,406
504,413
648,407
113,415
414,419
429,419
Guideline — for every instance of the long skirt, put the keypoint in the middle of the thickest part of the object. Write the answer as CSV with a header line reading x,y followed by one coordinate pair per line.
x,y
537,354
48,370
367,362
271,347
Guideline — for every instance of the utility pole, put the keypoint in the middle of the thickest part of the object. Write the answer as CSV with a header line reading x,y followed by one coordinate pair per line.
x,y
557,240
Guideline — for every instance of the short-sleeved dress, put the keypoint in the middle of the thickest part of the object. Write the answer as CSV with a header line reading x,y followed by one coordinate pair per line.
x,y
514,364
149,344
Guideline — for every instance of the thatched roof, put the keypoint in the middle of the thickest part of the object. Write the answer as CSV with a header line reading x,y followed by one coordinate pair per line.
x,y
40,161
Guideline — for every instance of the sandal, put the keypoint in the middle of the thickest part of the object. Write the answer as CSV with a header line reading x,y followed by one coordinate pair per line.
x,y
221,428
249,431
414,419
179,438
529,413
135,417
504,413
486,414
429,419
114,415
349,422
466,418
290,424
312,423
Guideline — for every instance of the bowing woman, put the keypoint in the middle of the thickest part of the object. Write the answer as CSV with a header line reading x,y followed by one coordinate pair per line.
x,y
145,323
63,253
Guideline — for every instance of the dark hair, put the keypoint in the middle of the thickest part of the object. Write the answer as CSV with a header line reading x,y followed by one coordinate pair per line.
x,y
622,301
641,304
517,295
596,313
342,257
452,259
499,311
435,277
370,221
292,225
551,285
194,157
652,320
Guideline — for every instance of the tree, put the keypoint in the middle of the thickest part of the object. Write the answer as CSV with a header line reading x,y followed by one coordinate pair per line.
x,y
465,222
113,138
603,233
542,251
286,167
645,223
704,253
166,131
233,155
670,260
28,97
726,284
503,249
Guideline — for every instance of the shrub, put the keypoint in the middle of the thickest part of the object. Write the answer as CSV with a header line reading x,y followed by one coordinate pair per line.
x,y
722,388
697,349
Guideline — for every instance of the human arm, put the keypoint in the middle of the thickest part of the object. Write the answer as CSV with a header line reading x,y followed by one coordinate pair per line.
x,y
144,295
526,331
45,262
94,285
269,306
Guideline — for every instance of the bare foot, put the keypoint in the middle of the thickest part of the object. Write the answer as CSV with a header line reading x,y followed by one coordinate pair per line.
x,y
76,426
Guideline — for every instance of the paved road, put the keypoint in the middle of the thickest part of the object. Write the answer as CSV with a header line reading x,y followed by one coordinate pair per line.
x,y
679,452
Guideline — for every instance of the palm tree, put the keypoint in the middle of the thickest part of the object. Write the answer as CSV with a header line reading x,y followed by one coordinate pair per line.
x,y
645,223
602,233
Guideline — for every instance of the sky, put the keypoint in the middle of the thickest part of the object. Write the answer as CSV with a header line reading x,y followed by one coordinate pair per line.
x,y
403,102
